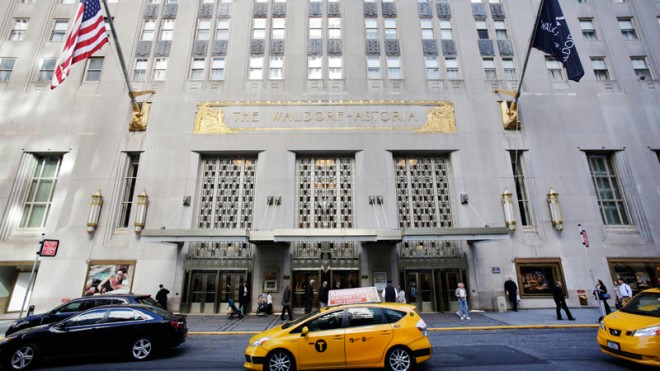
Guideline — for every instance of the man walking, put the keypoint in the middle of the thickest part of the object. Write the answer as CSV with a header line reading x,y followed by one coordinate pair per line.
x,y
389,293
286,303
243,297
625,292
323,294
560,300
309,296
161,296
511,290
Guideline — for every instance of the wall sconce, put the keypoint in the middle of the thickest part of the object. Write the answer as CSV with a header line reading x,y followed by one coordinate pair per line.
x,y
94,212
555,211
141,214
509,215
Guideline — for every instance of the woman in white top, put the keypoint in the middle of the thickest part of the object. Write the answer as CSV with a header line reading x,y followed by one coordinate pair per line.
x,y
401,295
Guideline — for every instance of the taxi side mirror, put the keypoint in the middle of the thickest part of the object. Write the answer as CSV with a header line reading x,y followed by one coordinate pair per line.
x,y
304,331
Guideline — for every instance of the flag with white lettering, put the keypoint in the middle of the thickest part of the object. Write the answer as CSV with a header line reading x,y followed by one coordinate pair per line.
x,y
554,37
87,35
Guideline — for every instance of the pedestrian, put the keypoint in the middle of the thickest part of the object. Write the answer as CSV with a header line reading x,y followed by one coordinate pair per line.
x,y
412,292
309,296
511,290
323,294
269,303
601,294
615,291
389,293
560,300
337,285
625,292
243,297
161,296
401,295
286,303
461,296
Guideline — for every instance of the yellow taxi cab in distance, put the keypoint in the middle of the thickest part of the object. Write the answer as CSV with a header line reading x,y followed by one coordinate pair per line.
x,y
633,332
356,332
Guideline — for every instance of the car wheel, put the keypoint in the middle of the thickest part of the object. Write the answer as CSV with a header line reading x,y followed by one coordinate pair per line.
x,y
24,357
399,359
141,349
280,360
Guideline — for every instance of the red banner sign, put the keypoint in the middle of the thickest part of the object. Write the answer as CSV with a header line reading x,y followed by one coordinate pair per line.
x,y
49,247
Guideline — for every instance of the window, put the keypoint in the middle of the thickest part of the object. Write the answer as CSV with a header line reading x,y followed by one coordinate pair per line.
x,y
600,69
86,319
140,70
509,69
130,178
166,29
588,30
123,315
482,29
427,28
627,28
516,157
330,321
500,30
6,68
94,67
390,28
451,68
334,67
256,67
19,29
554,69
148,30
222,29
39,197
608,189
489,69
334,28
641,68
203,29
278,28
47,69
373,67
315,31
393,67
365,316
160,69
445,30
197,69
314,67
276,67
432,68
259,28
371,29
218,68
59,30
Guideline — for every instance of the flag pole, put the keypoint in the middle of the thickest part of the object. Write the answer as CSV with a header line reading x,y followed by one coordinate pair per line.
x,y
529,50
131,94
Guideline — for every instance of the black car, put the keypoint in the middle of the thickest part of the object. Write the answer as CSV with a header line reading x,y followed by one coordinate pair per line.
x,y
76,306
131,329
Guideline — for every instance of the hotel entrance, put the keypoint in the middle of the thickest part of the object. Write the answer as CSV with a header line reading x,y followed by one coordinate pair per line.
x,y
207,291
347,278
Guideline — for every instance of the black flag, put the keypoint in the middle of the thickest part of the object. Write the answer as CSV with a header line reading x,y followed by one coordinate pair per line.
x,y
554,37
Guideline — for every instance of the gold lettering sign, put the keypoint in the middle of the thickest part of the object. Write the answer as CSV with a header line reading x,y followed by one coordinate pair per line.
x,y
413,116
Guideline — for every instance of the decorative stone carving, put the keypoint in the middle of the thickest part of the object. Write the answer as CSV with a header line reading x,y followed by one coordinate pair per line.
x,y
334,10
260,10
224,10
370,10
486,47
277,47
424,10
205,11
497,11
440,119
279,10
219,47
315,47
163,48
430,47
478,10
315,10
170,10
372,46
199,48
505,47
143,48
210,121
389,10
443,9
257,47
334,46
449,48
151,11
392,47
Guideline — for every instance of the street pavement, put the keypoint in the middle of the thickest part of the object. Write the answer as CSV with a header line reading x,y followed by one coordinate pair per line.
x,y
447,321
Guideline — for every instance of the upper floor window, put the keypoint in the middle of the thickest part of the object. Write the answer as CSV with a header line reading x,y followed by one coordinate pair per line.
x,y
203,29
132,162
19,29
6,68
554,69
160,69
426,25
222,29
259,28
641,68
482,29
627,28
148,29
276,67
314,67
140,70
432,67
445,30
218,68
166,29
600,68
588,29
59,30
94,67
509,69
278,28
390,28
500,30
393,67
39,197
335,67
197,69
315,28
334,28
256,67
371,28
609,192
451,68
489,69
373,67
47,68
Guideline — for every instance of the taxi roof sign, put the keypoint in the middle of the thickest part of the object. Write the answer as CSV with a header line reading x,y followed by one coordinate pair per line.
x,y
359,295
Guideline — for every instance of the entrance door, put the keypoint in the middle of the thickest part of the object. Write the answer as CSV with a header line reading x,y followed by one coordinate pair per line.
x,y
203,292
347,279
451,280
229,283
300,281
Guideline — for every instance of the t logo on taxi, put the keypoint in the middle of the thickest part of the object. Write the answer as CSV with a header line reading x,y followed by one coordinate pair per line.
x,y
320,346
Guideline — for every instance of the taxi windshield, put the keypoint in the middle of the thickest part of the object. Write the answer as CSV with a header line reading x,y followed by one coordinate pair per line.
x,y
300,320
646,304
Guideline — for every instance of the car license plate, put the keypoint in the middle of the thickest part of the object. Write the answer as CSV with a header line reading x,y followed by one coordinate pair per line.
x,y
613,345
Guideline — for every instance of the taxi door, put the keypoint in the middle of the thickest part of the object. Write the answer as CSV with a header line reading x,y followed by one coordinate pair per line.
x,y
367,336
323,345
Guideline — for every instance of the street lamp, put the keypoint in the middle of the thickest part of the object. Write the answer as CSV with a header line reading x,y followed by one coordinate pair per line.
x,y
507,205
94,212
555,210
141,214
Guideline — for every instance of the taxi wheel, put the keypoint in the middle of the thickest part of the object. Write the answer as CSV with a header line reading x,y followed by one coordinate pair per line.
x,y
24,357
399,359
280,360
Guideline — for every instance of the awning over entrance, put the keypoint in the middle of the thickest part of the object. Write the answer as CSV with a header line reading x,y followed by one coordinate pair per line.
x,y
325,235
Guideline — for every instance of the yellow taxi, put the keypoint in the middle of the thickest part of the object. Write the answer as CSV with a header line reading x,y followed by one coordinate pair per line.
x,y
633,333
363,334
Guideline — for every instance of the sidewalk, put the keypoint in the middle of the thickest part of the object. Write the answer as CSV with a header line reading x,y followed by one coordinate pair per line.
x,y
524,318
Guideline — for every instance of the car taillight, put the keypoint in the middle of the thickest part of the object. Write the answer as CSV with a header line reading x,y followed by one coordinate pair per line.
x,y
178,324
421,326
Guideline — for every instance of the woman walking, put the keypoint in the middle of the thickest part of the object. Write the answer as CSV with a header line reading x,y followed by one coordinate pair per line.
x,y
602,295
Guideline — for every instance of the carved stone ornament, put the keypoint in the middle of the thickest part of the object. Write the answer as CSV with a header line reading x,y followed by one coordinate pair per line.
x,y
440,119
139,119
210,121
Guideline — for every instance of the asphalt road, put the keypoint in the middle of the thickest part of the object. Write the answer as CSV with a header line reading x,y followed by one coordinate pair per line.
x,y
532,349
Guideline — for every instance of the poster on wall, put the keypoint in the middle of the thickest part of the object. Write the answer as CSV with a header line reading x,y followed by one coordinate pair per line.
x,y
105,278
537,280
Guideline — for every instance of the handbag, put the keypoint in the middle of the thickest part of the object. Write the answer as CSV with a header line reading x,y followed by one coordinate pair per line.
x,y
606,296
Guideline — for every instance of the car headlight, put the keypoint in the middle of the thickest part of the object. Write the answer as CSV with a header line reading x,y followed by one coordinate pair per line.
x,y
649,331
6,340
260,342
601,324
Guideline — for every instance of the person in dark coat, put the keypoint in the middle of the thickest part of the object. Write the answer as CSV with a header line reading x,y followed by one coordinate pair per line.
x,y
560,300
309,296
286,303
389,294
161,296
511,290
323,294
600,292
243,297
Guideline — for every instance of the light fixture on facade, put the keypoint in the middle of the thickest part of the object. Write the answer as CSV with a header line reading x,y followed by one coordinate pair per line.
x,y
555,210
94,212
141,214
509,215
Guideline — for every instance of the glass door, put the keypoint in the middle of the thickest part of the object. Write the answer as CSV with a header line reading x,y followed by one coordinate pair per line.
x,y
203,291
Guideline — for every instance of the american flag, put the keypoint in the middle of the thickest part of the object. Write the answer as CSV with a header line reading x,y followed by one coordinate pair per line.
x,y
87,35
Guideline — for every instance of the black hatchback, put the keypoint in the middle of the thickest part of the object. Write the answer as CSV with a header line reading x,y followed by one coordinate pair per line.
x,y
137,331
76,306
